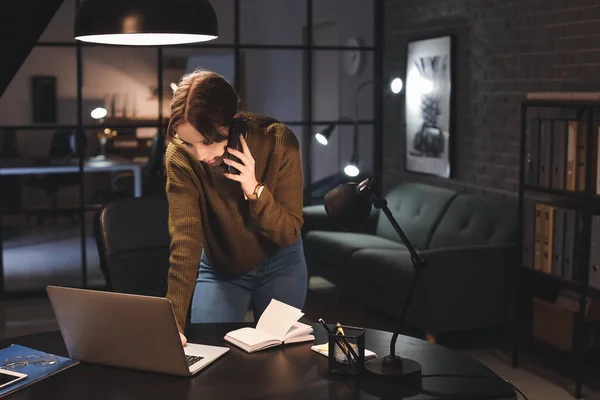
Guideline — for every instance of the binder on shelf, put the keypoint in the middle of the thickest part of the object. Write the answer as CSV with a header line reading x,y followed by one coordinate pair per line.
x,y
539,237
581,161
597,152
548,239
545,153
559,240
532,153
528,234
594,272
570,227
559,154
571,155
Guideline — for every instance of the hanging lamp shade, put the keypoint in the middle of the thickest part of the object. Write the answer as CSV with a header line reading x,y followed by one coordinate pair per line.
x,y
145,22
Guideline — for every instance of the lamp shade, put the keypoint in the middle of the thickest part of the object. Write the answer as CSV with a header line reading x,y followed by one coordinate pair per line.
x,y
323,136
145,22
349,205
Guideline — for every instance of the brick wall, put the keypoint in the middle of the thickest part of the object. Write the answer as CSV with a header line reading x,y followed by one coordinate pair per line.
x,y
505,48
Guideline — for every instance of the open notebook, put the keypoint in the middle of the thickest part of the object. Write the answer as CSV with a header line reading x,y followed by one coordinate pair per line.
x,y
277,325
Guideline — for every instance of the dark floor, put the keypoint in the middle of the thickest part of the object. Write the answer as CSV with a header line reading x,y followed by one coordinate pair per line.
x,y
35,256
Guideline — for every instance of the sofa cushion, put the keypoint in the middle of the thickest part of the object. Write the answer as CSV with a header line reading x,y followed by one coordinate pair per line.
x,y
316,219
417,208
330,252
477,220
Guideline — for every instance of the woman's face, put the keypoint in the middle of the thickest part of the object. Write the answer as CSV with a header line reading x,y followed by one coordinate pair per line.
x,y
199,147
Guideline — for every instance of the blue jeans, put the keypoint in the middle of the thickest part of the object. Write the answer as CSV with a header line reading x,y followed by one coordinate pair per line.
x,y
220,297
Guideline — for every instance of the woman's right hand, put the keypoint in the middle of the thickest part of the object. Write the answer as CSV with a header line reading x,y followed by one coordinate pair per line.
x,y
183,339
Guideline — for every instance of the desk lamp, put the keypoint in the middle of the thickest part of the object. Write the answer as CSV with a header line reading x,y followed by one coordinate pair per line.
x,y
349,205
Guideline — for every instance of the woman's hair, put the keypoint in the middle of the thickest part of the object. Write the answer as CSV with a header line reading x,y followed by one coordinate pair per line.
x,y
206,101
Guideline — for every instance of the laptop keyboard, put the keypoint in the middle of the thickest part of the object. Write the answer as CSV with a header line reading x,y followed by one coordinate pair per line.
x,y
192,359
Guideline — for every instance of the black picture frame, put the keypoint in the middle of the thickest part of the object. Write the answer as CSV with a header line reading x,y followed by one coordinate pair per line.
x,y
429,106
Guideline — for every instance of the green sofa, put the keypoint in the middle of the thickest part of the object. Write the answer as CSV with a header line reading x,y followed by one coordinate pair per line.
x,y
468,242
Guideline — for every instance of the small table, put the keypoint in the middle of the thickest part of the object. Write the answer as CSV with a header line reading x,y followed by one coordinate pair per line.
x,y
287,372
109,164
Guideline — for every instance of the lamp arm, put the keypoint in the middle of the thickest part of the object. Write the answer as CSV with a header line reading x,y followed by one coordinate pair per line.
x,y
363,84
355,135
358,89
354,158
418,265
344,119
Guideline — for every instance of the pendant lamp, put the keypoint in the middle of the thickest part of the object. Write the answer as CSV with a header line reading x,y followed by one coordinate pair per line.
x,y
145,22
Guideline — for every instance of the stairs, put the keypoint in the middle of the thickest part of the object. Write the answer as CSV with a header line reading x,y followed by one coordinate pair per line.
x,y
21,25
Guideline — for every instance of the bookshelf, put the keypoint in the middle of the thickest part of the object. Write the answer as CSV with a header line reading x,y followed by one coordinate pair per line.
x,y
557,280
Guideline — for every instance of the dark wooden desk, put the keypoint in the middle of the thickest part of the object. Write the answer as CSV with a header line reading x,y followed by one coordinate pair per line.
x,y
288,372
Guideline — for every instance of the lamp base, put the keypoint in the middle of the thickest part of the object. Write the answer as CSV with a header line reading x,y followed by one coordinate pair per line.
x,y
394,366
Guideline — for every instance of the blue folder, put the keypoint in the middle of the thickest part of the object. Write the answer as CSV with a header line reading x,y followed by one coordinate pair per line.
x,y
34,373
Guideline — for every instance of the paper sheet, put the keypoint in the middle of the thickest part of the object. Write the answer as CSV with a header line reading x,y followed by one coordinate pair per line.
x,y
278,318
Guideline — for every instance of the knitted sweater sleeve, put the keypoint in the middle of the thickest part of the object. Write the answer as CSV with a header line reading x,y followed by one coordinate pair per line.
x,y
278,211
185,229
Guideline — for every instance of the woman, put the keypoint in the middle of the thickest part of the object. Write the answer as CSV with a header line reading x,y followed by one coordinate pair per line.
x,y
235,238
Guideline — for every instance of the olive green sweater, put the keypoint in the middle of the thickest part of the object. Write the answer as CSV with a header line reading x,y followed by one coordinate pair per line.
x,y
208,211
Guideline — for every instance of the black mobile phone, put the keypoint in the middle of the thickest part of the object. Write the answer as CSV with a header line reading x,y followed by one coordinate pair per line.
x,y
239,126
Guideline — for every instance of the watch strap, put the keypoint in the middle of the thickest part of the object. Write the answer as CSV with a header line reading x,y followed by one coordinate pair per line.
x,y
257,192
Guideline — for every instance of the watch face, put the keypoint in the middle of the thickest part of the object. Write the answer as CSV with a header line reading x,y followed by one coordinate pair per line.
x,y
259,190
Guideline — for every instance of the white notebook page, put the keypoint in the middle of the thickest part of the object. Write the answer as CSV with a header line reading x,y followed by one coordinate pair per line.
x,y
278,318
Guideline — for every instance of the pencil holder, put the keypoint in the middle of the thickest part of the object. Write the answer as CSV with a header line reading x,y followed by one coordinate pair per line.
x,y
346,352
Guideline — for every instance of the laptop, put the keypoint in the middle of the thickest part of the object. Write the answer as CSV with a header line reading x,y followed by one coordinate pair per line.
x,y
125,330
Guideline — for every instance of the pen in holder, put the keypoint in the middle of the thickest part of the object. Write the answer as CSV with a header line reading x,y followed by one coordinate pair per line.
x,y
346,350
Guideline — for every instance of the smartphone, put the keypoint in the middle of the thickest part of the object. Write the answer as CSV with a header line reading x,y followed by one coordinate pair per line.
x,y
239,126
8,377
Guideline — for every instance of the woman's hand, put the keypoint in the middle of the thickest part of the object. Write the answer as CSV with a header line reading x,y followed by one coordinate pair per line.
x,y
183,339
246,177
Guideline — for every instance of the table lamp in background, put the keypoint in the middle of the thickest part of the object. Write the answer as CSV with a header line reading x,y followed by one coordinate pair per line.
x,y
349,205
98,114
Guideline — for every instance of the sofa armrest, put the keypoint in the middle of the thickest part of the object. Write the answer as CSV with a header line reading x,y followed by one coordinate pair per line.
x,y
463,288
316,219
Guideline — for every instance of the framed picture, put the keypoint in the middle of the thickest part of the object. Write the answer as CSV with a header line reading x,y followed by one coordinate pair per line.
x,y
429,105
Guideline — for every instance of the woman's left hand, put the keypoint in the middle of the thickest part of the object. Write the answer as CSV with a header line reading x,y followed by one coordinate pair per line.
x,y
246,177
